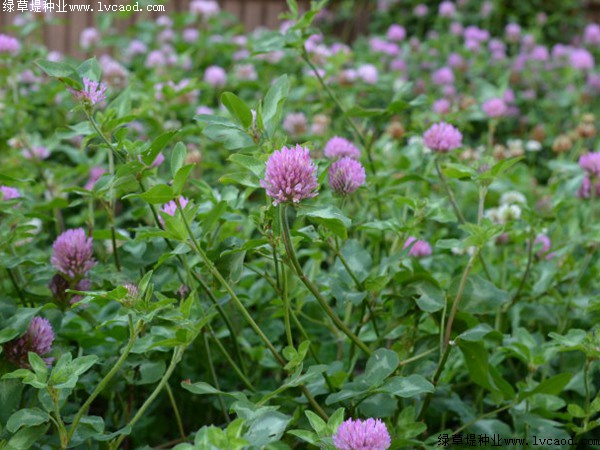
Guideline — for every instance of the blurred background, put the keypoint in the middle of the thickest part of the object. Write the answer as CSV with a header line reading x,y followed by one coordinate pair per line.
x,y
346,18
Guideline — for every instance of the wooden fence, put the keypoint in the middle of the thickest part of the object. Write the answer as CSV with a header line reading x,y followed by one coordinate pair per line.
x,y
62,32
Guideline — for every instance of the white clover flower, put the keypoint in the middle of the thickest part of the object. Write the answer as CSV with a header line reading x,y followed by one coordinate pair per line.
x,y
511,197
533,146
507,213
515,145
493,214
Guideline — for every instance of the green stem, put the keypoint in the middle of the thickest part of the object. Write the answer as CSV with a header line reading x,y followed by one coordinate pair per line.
x,y
483,416
235,367
215,272
176,412
449,192
238,303
214,377
517,295
103,137
287,241
333,97
286,306
204,287
459,294
434,381
457,211
13,280
60,425
177,354
133,333
367,145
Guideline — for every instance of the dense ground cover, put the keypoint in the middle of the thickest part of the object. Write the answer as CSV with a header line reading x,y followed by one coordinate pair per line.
x,y
278,240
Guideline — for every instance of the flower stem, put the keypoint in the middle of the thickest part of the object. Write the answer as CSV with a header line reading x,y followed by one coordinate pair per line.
x,y
235,367
459,294
457,211
287,241
177,354
449,192
214,377
133,333
204,287
238,303
176,412
286,306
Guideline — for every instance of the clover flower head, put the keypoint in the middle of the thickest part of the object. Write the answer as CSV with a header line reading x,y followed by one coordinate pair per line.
x,y
443,76
9,44
89,37
590,162
37,339
494,107
295,123
396,32
442,137
95,174
215,76
512,197
93,92
291,175
205,8
543,242
370,434
346,175
339,147
581,59
171,207
418,248
38,152
585,189
8,193
73,254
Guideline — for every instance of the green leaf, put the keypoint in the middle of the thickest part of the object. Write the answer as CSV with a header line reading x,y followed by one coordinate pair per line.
x,y
252,163
231,136
90,69
381,364
10,398
56,69
458,171
336,419
82,364
273,104
161,193
26,418
553,385
407,387
266,428
89,427
305,435
358,111
38,365
200,388
503,166
329,217
430,298
480,295
180,178
149,155
15,325
237,108
476,358
26,437
177,157
316,422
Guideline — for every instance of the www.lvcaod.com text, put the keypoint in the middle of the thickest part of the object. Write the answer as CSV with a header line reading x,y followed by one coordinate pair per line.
x,y
61,6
